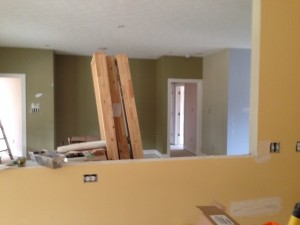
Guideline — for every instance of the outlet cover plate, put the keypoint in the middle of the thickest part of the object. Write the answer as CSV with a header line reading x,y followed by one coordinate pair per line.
x,y
298,146
275,147
90,178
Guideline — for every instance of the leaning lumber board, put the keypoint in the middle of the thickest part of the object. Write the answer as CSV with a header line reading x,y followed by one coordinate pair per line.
x,y
104,104
120,126
130,107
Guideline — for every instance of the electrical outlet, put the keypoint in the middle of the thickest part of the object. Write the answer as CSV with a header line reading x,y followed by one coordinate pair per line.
x,y
275,147
90,178
298,146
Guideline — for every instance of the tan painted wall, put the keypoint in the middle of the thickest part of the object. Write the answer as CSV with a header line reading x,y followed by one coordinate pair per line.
x,y
165,192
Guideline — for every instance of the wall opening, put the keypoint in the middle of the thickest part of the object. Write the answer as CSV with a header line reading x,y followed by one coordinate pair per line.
x,y
184,117
13,112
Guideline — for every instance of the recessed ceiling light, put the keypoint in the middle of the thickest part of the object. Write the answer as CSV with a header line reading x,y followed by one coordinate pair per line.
x,y
103,49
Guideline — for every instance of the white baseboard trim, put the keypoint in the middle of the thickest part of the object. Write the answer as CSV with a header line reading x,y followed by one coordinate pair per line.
x,y
155,152
189,149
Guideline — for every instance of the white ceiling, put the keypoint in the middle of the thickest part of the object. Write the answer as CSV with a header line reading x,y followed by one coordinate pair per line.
x,y
139,28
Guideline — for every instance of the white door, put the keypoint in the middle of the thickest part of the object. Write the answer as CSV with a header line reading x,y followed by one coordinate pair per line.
x,y
12,112
179,114
190,133
190,117
172,116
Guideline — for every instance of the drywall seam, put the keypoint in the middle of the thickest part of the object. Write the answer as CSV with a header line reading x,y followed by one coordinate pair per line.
x,y
255,207
263,152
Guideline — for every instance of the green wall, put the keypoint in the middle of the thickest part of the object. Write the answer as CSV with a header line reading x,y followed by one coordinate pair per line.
x,y
75,105
75,101
39,69
144,84
171,67
68,108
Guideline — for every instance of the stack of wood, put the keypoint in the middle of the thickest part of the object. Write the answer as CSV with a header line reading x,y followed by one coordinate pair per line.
x,y
117,115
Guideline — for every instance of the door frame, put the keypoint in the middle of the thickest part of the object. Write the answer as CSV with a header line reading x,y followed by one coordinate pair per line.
x,y
198,82
23,84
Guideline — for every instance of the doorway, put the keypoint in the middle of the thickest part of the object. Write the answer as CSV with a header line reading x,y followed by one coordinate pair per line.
x,y
13,112
177,116
184,117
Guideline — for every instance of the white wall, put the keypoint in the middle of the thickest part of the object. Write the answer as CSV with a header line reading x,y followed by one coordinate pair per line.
x,y
215,92
11,112
226,100
238,102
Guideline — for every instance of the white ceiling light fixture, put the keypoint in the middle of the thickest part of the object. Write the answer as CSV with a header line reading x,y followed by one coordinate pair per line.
x,y
121,26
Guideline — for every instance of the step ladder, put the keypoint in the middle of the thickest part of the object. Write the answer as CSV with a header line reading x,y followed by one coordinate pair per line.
x,y
4,142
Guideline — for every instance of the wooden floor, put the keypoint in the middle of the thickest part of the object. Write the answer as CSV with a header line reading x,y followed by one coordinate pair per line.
x,y
180,153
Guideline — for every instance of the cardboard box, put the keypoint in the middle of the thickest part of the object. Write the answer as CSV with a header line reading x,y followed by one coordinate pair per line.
x,y
213,215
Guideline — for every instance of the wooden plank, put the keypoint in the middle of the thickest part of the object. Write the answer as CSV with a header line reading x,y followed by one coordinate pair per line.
x,y
104,104
130,107
120,126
